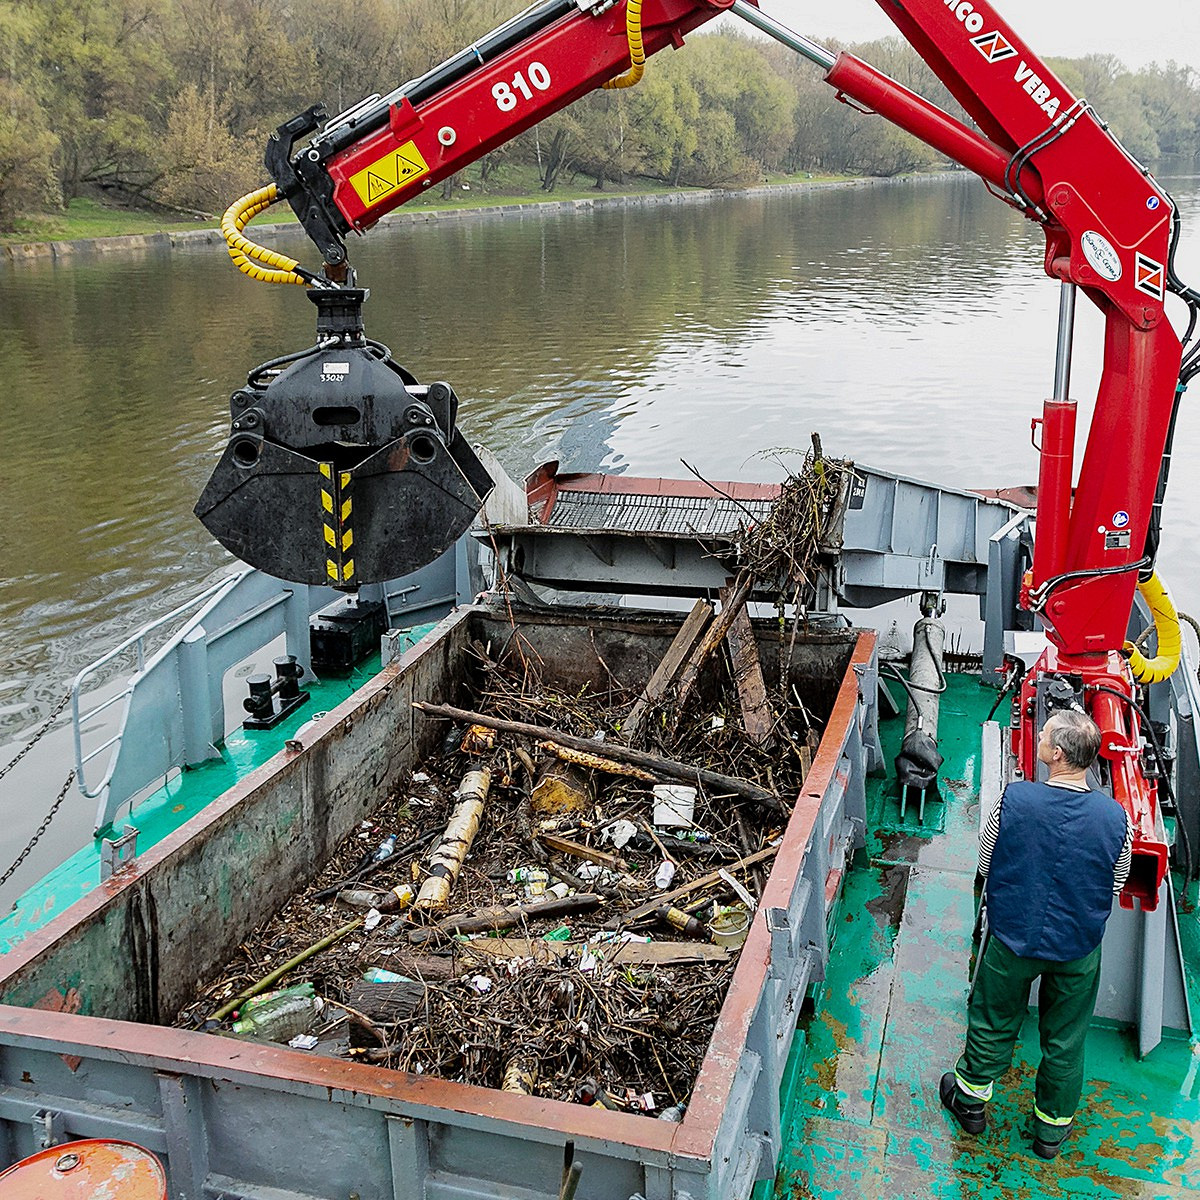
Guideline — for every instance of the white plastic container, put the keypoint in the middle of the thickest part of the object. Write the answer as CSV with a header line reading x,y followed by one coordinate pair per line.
x,y
674,804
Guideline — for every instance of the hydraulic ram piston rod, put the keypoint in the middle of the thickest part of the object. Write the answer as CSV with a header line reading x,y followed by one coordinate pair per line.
x,y
811,50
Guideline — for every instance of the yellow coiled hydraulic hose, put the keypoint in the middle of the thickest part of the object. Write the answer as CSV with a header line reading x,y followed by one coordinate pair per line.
x,y
252,259
260,263
1167,631
637,52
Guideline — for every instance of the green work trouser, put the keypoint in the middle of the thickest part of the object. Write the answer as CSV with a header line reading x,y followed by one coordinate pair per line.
x,y
998,1003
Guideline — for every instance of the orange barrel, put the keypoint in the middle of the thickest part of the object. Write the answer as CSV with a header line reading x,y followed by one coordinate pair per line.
x,y
95,1169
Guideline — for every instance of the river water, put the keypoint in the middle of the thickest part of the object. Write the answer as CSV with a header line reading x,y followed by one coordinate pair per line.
x,y
910,323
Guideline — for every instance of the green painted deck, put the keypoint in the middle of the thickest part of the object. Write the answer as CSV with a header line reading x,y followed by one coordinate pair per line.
x,y
862,1115
179,799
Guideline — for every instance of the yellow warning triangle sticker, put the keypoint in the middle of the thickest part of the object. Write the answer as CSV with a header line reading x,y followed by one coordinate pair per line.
x,y
407,169
395,169
378,187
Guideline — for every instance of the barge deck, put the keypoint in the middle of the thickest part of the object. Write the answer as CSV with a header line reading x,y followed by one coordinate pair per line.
x,y
862,1115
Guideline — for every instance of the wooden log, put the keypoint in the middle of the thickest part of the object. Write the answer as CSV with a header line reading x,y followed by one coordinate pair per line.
x,y
447,859
386,1002
638,954
601,858
696,776
507,917
419,966
595,762
690,675
666,671
644,910
757,719
520,1076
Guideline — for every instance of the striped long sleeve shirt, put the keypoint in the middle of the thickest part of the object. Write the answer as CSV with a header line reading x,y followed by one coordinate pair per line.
x,y
991,830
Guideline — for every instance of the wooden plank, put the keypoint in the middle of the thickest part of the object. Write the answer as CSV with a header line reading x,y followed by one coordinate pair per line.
x,y
664,674
640,954
738,593
644,910
757,718
561,845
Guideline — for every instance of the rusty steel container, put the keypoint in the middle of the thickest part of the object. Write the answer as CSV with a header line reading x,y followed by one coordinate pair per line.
x,y
94,1169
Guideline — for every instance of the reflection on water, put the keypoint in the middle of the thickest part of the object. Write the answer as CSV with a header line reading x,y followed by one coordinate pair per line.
x,y
909,323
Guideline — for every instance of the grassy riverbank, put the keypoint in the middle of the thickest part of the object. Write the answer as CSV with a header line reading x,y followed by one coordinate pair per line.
x,y
87,218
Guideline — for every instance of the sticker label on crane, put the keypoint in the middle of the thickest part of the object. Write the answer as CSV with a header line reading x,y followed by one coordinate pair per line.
x,y
1151,277
1098,250
995,47
396,169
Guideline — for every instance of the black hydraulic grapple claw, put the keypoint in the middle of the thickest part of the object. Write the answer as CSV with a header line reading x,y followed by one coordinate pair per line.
x,y
341,469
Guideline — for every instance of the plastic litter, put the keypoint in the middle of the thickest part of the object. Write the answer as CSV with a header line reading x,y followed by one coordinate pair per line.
x,y
278,1016
382,975
674,804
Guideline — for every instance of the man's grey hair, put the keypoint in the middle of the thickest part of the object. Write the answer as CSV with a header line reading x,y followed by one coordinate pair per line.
x,y
1076,735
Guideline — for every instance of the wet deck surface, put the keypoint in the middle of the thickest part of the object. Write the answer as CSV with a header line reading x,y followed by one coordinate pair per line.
x,y
863,1118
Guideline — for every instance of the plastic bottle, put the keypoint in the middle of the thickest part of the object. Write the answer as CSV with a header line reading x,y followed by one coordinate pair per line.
x,y
359,898
385,849
664,875
278,1016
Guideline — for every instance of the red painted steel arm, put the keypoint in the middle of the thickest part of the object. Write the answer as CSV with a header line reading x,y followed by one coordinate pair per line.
x,y
1108,229
388,152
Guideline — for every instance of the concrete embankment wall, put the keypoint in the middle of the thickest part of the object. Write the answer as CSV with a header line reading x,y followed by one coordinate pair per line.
x,y
66,252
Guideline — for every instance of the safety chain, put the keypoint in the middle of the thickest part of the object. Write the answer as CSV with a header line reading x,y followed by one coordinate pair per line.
x,y
33,841
62,795
33,741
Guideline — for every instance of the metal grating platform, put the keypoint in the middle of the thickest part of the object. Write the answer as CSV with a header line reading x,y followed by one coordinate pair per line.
x,y
707,516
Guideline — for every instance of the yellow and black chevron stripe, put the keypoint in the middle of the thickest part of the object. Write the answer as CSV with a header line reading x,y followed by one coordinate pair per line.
x,y
337,507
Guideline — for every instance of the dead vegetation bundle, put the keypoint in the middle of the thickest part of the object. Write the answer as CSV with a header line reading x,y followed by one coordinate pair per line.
x,y
555,903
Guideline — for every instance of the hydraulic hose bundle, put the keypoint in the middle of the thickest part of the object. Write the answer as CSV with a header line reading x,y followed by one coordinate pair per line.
x,y
1167,631
249,257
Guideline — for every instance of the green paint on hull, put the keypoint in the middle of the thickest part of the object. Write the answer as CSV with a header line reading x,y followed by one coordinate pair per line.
x,y
862,1116
179,799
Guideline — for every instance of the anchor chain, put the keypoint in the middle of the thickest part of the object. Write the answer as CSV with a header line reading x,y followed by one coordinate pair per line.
x,y
33,841
62,795
33,741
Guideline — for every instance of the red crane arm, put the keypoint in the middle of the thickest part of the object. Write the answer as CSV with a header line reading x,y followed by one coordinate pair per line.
x,y
1108,229
389,149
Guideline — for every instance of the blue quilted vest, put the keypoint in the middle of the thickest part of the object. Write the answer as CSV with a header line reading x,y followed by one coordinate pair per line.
x,y
1049,890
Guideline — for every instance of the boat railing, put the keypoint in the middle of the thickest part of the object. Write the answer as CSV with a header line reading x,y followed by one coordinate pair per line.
x,y
173,707
138,643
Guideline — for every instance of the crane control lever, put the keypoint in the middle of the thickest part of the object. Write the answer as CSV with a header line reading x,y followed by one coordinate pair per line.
x,y
341,469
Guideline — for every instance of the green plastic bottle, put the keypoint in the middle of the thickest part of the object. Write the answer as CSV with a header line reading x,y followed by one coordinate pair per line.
x,y
278,1016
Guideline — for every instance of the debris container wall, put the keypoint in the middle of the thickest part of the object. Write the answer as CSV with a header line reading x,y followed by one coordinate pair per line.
x,y
138,946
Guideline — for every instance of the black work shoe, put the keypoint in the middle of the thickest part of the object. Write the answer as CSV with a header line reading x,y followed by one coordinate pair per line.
x,y
1049,1149
968,1113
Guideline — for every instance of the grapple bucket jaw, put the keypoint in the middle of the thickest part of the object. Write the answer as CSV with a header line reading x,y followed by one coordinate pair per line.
x,y
340,468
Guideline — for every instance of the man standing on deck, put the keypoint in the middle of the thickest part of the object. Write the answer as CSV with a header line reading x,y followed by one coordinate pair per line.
x,y
1054,855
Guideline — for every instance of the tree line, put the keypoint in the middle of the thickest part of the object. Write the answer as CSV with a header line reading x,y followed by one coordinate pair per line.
x,y
168,103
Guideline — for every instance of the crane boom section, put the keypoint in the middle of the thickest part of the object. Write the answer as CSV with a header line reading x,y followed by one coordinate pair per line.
x,y
379,156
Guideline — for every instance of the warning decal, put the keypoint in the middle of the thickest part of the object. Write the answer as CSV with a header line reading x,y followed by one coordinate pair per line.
x,y
396,169
994,47
1151,277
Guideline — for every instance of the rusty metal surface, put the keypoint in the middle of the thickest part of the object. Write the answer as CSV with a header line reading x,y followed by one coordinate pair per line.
x,y
139,919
